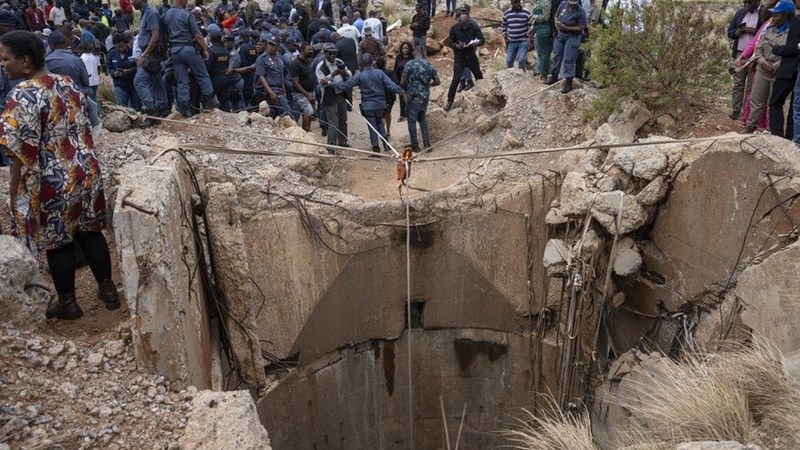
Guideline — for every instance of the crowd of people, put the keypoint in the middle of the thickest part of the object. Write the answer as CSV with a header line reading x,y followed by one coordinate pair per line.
x,y
765,59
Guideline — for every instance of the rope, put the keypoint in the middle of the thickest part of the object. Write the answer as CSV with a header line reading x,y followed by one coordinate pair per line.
x,y
261,135
408,311
580,147
385,142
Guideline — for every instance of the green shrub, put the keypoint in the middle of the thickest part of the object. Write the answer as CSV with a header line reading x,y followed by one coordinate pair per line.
x,y
668,54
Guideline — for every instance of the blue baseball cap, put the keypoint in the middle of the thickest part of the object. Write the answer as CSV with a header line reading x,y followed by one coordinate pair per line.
x,y
783,7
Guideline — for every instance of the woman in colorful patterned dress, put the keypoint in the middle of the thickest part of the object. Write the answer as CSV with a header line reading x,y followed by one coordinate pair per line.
x,y
56,188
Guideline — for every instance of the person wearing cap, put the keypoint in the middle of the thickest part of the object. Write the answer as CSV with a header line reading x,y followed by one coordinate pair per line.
x,y
56,181
373,84
370,44
62,61
332,69
122,69
272,76
465,37
247,68
236,82
418,76
218,62
149,81
784,84
570,20
304,80
767,62
514,26
188,51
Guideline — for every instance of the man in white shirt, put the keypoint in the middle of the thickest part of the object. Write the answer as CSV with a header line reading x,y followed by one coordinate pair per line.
x,y
375,24
348,31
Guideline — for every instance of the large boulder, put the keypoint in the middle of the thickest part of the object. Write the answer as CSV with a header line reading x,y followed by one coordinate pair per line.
x,y
23,292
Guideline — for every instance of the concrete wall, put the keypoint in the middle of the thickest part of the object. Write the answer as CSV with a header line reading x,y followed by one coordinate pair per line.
x,y
469,268
359,398
169,319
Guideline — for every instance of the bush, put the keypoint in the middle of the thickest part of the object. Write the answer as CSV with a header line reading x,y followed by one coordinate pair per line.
x,y
667,54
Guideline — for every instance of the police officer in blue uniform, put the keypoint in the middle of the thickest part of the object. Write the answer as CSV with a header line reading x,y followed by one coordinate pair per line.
x,y
570,21
272,77
247,54
217,63
149,82
188,51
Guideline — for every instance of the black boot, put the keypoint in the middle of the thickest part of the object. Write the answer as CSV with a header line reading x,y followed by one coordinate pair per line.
x,y
65,308
210,102
552,80
107,293
567,88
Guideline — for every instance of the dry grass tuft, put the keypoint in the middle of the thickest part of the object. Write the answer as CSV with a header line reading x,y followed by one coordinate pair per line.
x,y
558,432
742,396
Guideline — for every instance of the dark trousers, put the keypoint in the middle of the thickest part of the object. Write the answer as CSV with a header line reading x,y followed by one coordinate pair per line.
x,y
221,85
61,261
781,89
336,115
463,61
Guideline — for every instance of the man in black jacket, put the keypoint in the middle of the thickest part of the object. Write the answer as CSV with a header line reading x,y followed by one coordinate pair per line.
x,y
465,38
420,24
783,85
741,31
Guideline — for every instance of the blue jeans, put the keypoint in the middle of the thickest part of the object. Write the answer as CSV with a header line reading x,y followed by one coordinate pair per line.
x,y
151,90
421,42
432,5
236,95
415,112
566,53
544,48
519,51
183,59
375,118
451,5
127,98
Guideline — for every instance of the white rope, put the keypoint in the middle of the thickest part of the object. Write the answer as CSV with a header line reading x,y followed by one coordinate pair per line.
x,y
408,311
373,128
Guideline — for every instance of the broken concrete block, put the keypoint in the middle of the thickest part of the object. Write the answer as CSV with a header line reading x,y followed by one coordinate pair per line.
x,y
166,299
626,122
587,244
605,136
592,160
557,255
263,108
306,166
484,124
769,290
665,122
555,217
510,141
575,194
243,118
21,303
642,162
627,261
608,184
233,276
606,207
654,192
117,122
224,420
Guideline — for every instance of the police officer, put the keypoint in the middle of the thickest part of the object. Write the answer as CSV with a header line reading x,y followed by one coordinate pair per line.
x,y
247,55
149,82
217,62
235,78
272,76
188,51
